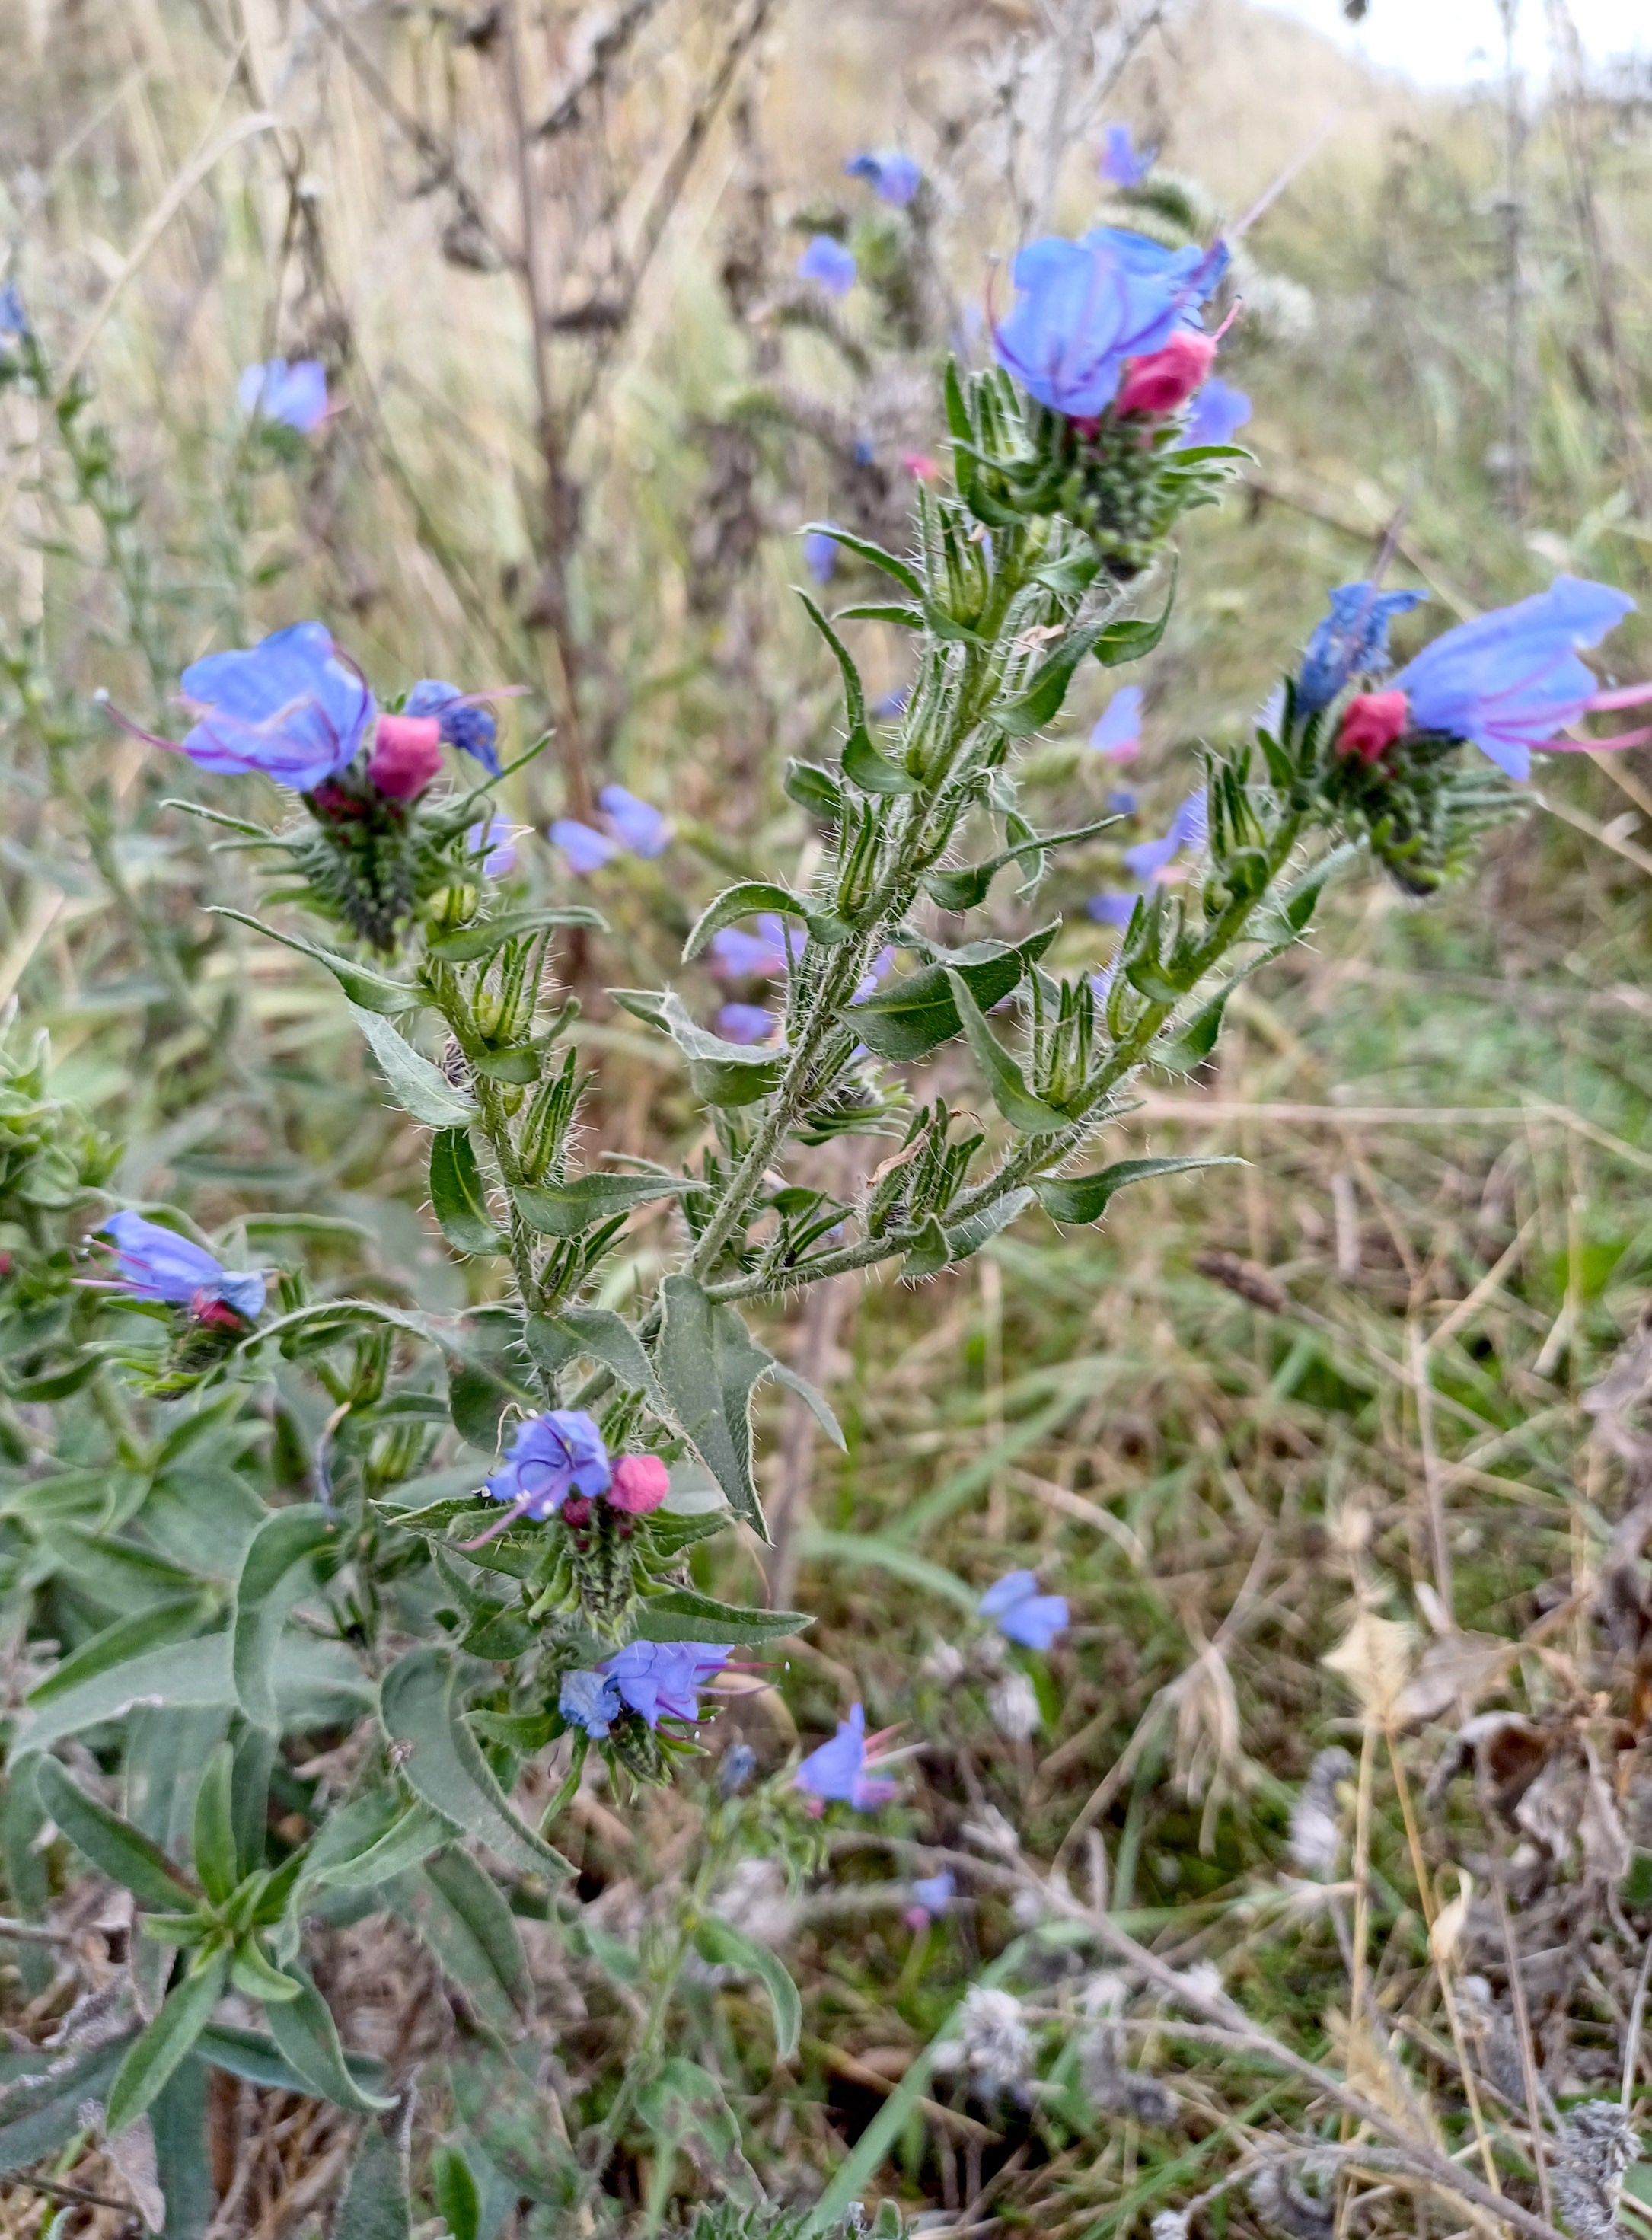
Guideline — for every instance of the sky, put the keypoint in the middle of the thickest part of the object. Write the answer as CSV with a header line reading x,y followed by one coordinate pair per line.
x,y
1444,42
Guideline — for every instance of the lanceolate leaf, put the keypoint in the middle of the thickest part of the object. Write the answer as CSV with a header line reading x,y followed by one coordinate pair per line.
x,y
127,1638
569,1209
722,1073
367,989
904,574
411,1838
417,1085
750,897
154,2056
814,1399
871,772
815,790
313,1679
854,691
967,1236
471,943
376,2206
459,1195
250,2054
966,887
459,1913
684,1614
725,1946
909,1018
1086,1198
112,1844
1131,641
710,1365
273,1575
1010,1093
1040,702
307,2038
555,1340
38,2114
439,1759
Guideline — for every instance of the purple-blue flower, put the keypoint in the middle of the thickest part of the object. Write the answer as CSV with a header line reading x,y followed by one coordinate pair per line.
x,y
893,175
14,319
662,1679
1510,681
892,704
635,824
585,849
873,977
551,1456
1112,907
465,724
1118,162
157,1263
295,395
931,1893
1352,641
1219,411
745,1023
767,955
1021,1613
839,1771
828,264
820,554
291,706
591,1700
497,836
1187,830
1118,733
1086,307
1121,802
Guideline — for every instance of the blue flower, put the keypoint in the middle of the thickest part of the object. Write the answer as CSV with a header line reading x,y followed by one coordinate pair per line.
x,y
662,1679
1352,641
892,704
745,1023
465,725
1121,802
291,707
295,395
585,849
497,837
738,1765
767,955
931,1893
894,176
635,824
1219,411
591,1700
14,319
1188,827
1118,163
838,1772
1112,908
1511,680
820,554
828,264
1118,734
551,1456
1021,1613
1086,307
152,1262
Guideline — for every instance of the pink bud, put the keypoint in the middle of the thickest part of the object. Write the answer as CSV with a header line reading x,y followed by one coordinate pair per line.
x,y
576,1510
1167,377
407,754
640,1483
921,466
1371,722
214,1314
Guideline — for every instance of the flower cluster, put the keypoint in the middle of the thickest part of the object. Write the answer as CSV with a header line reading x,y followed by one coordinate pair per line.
x,y
557,1464
655,1679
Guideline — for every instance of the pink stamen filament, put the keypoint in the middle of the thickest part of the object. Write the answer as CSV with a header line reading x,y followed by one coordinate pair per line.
x,y
517,1509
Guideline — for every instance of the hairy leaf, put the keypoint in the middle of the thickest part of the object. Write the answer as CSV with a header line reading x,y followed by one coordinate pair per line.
x,y
472,942
725,1946
153,2057
684,1614
752,896
112,1844
417,1085
439,1759
1086,1198
368,990
376,2206
710,1365
307,2038
1009,1090
909,1018
569,1209
458,1193
273,1576
720,1072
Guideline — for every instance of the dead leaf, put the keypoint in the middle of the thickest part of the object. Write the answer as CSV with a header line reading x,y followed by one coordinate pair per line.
x,y
1375,1657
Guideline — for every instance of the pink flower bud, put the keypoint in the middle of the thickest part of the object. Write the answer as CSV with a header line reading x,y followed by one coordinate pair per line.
x,y
921,466
1167,377
214,1314
576,1510
640,1483
407,754
1371,722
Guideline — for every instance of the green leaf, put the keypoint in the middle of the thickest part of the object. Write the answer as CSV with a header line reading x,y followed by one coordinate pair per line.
x,y
127,1638
1131,641
439,1760
720,1073
555,1340
317,1683
927,1253
902,618
1298,903
1085,1197
255,1977
854,690
489,1927
250,2054
967,1236
684,1614
307,2038
459,1195
39,2113
214,1847
681,2101
112,1844
904,574
725,1946
154,2056
417,1085
871,772
367,989
910,1016
471,943
814,1399
815,790
751,896
458,2198
966,887
709,1366
1040,702
273,1575
866,1550
1009,1090
410,1837
569,1209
